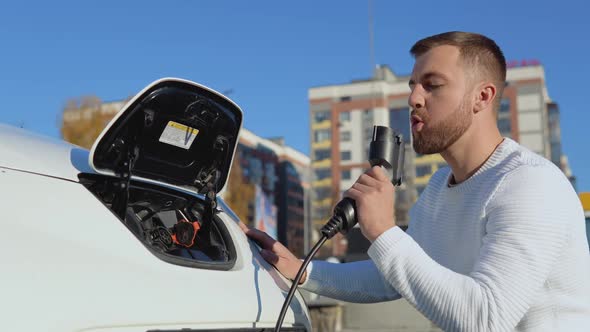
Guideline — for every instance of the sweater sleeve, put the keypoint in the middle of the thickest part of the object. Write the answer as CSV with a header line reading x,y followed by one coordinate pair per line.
x,y
358,282
525,232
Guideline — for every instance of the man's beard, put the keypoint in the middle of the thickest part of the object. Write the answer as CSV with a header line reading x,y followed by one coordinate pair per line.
x,y
438,137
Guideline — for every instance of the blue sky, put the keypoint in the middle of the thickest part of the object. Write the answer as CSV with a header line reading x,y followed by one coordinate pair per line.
x,y
268,53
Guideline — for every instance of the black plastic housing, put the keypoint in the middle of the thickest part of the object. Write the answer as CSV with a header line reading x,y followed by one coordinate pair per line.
x,y
387,150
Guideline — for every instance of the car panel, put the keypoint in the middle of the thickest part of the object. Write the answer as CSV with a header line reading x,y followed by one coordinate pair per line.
x,y
26,151
72,254
73,265
153,214
176,132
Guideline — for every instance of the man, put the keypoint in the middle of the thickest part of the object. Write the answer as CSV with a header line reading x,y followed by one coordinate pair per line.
x,y
495,242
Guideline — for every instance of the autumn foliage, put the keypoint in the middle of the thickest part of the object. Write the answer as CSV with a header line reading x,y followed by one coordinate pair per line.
x,y
239,194
84,120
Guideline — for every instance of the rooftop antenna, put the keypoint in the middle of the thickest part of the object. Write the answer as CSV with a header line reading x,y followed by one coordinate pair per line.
x,y
372,52
371,35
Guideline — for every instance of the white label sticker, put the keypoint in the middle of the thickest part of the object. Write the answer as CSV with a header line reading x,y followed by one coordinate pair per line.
x,y
178,135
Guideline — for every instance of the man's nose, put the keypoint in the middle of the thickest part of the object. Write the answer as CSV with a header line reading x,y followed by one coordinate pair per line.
x,y
415,100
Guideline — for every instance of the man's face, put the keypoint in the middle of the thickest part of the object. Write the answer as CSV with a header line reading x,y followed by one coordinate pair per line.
x,y
441,107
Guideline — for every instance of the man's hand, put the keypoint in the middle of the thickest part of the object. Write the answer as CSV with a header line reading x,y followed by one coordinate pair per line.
x,y
373,194
275,253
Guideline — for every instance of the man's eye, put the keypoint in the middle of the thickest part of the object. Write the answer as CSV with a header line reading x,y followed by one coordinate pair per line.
x,y
430,86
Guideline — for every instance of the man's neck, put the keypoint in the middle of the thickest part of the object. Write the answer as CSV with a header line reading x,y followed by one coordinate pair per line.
x,y
470,152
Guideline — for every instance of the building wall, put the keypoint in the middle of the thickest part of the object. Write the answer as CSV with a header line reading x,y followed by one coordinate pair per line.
x,y
283,175
291,203
531,119
554,133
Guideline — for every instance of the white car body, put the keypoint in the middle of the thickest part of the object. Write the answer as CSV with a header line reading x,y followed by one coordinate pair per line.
x,y
70,264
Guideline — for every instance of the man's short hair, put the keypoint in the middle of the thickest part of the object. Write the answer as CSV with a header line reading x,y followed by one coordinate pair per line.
x,y
476,50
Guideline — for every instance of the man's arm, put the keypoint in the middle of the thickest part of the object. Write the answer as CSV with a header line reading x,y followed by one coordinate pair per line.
x,y
359,282
526,230
353,282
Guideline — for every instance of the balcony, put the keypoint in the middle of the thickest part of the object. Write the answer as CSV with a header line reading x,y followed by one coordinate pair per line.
x,y
322,183
324,163
322,144
423,180
325,124
326,202
429,159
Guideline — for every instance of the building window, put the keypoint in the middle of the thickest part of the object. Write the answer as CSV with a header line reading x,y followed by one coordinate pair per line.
x,y
322,213
345,155
322,154
346,175
344,116
504,126
322,193
441,165
422,170
322,135
345,136
368,115
322,173
505,105
420,189
368,132
322,116
345,98
399,120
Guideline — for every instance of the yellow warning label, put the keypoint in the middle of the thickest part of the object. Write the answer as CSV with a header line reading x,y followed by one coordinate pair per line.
x,y
182,127
179,135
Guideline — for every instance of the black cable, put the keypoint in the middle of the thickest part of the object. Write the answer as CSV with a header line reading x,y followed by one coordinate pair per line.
x,y
386,150
289,297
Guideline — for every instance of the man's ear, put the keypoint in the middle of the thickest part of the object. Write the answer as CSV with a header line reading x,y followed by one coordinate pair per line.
x,y
485,96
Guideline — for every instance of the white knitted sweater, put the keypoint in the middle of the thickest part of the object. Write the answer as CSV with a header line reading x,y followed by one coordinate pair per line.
x,y
504,250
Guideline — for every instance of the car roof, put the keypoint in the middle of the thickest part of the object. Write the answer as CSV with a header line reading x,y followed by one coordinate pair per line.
x,y
26,151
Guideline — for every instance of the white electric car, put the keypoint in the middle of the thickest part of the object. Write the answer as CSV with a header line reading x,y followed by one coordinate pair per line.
x,y
132,235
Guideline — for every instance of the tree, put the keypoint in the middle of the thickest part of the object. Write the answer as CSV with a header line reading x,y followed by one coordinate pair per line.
x,y
83,121
239,194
